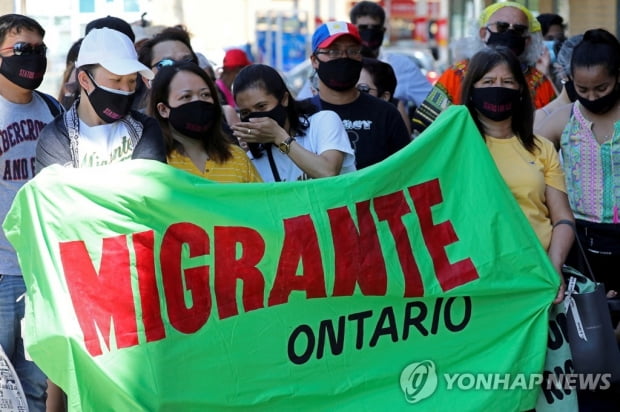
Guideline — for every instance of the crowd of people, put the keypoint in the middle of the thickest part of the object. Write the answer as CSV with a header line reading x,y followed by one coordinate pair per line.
x,y
547,107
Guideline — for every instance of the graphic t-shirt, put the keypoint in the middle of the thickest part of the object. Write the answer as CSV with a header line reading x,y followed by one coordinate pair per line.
x,y
375,128
20,125
103,144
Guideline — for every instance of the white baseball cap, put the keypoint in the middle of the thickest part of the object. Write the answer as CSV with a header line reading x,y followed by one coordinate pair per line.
x,y
113,50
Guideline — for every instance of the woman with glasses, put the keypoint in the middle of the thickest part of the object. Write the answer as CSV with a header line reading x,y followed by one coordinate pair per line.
x,y
378,79
289,140
172,45
100,128
507,24
165,48
184,101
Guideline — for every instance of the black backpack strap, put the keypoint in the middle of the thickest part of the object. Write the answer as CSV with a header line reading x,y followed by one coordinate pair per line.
x,y
53,104
272,164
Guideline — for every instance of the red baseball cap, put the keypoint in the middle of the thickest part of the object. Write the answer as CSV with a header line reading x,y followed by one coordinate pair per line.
x,y
236,58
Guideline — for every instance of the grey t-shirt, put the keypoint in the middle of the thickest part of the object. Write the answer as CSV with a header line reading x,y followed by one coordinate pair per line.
x,y
20,125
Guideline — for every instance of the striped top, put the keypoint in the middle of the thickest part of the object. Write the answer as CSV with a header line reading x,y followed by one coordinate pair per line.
x,y
239,169
592,170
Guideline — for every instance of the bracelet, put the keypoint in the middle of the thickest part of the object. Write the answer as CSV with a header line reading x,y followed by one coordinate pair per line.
x,y
564,222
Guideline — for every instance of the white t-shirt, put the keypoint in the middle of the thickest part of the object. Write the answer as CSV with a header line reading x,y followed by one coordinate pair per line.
x,y
325,132
103,144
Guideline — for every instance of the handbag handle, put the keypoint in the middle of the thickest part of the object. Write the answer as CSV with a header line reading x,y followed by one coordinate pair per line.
x,y
579,245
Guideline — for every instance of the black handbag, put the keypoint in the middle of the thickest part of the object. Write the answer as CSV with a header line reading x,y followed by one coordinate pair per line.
x,y
591,335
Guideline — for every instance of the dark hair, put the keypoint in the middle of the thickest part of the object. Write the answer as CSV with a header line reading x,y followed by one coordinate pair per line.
x,y
367,8
547,20
597,48
18,22
114,23
481,63
174,33
261,76
216,143
382,75
73,52
67,100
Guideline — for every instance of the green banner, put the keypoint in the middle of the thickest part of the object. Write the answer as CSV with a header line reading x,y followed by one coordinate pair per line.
x,y
415,283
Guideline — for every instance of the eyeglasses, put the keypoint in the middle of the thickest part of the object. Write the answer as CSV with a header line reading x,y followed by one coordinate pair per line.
x,y
369,27
23,48
364,88
170,62
338,53
502,27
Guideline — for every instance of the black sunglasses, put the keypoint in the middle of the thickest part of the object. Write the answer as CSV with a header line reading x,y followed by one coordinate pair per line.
x,y
23,48
170,62
364,88
502,27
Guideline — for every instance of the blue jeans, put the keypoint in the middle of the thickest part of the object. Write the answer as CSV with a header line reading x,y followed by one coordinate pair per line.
x,y
31,377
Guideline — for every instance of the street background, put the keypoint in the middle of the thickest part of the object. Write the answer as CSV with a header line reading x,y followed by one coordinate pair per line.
x,y
278,32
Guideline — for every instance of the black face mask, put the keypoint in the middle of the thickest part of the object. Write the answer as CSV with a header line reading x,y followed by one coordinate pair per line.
x,y
570,90
278,114
26,71
371,40
496,103
340,74
602,104
109,104
510,38
193,119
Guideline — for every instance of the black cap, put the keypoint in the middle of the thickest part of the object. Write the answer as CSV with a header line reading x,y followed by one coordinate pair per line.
x,y
113,23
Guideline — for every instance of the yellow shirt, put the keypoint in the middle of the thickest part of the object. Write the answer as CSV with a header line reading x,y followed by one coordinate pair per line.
x,y
239,169
527,176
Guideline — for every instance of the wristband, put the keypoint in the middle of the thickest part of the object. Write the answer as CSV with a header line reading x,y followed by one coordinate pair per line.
x,y
564,222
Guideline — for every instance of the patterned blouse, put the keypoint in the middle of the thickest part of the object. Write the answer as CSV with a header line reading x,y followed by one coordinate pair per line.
x,y
592,170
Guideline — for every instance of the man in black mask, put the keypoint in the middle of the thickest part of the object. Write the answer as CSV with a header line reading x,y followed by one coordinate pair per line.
x,y
101,128
508,24
23,113
375,128
412,86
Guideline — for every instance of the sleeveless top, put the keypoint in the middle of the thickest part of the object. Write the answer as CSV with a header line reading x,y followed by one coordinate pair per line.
x,y
592,170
